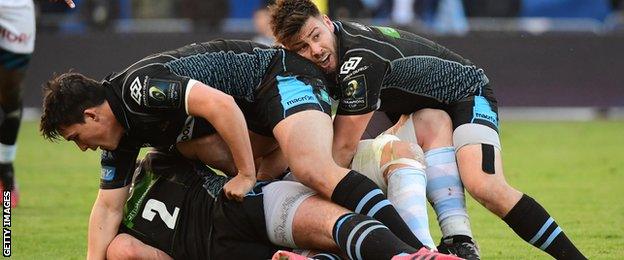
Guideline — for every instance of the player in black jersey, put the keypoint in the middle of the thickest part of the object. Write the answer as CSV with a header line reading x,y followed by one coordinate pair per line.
x,y
176,210
180,97
399,73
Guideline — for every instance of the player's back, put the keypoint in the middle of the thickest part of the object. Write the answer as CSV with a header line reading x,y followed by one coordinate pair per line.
x,y
232,66
409,62
181,193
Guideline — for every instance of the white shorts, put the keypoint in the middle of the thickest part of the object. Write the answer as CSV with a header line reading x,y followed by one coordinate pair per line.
x,y
17,27
281,201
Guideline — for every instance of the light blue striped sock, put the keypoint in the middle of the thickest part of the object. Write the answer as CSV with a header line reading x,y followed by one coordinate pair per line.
x,y
446,192
406,191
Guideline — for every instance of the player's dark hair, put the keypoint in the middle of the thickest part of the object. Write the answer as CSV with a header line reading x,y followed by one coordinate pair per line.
x,y
288,16
65,97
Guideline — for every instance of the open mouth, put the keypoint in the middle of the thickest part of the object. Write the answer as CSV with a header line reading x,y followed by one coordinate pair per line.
x,y
324,61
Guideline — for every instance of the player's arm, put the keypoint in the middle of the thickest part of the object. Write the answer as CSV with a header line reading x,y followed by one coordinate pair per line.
x,y
360,78
348,129
223,113
273,165
107,211
104,221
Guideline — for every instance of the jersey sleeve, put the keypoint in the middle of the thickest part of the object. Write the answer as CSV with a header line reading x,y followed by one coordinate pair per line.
x,y
359,80
117,167
154,89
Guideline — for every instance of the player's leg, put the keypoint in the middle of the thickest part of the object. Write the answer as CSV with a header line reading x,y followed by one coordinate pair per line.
x,y
217,156
297,218
397,167
306,138
11,114
480,164
125,246
298,108
18,23
433,130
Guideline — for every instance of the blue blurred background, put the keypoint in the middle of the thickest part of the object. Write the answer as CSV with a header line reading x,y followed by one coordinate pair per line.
x,y
555,54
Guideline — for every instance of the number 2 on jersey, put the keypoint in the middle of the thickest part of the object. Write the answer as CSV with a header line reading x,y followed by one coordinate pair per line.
x,y
152,207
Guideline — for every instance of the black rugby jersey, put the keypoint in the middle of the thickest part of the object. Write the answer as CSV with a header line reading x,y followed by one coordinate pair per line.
x,y
374,59
149,97
182,194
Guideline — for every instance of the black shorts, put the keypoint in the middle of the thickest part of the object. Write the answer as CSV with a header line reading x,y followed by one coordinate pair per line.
x,y
480,108
292,84
13,61
239,228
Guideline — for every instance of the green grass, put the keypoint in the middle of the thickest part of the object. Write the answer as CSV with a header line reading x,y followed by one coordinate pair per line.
x,y
575,170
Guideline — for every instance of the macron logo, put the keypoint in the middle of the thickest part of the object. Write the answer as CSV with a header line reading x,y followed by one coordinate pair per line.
x,y
300,99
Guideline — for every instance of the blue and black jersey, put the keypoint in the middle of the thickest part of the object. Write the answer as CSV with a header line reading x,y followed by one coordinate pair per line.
x,y
149,98
375,60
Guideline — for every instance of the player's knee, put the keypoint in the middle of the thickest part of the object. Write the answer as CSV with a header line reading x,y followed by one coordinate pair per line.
x,y
400,154
491,193
123,247
433,125
312,174
401,149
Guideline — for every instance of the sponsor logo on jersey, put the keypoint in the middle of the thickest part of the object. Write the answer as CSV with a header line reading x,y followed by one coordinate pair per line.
x,y
135,90
355,72
20,38
156,93
163,93
354,95
187,130
350,65
108,173
352,87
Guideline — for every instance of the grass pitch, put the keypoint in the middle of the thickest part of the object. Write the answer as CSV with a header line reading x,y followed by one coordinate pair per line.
x,y
575,170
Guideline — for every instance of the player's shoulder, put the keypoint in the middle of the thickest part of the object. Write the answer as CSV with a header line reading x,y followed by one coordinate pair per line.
x,y
146,84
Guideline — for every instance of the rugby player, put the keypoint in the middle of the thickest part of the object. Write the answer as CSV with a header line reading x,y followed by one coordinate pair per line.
x,y
176,210
398,73
17,42
196,91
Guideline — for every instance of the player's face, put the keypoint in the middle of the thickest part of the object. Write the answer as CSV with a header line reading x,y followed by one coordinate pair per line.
x,y
94,133
316,42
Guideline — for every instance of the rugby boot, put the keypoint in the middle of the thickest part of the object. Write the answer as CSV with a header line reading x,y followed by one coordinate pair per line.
x,y
460,245
426,253
287,255
7,179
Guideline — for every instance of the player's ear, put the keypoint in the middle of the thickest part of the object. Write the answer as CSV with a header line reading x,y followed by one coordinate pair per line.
x,y
328,23
91,113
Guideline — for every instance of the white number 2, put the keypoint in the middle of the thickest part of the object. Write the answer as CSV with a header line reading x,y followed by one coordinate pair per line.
x,y
154,206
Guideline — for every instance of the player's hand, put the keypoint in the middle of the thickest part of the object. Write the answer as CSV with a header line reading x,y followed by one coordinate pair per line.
x,y
69,3
237,187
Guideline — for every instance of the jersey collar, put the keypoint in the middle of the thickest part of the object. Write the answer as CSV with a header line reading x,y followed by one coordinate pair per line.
x,y
114,101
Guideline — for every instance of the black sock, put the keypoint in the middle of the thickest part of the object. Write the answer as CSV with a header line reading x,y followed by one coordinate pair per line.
x,y
10,125
362,237
533,224
359,194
